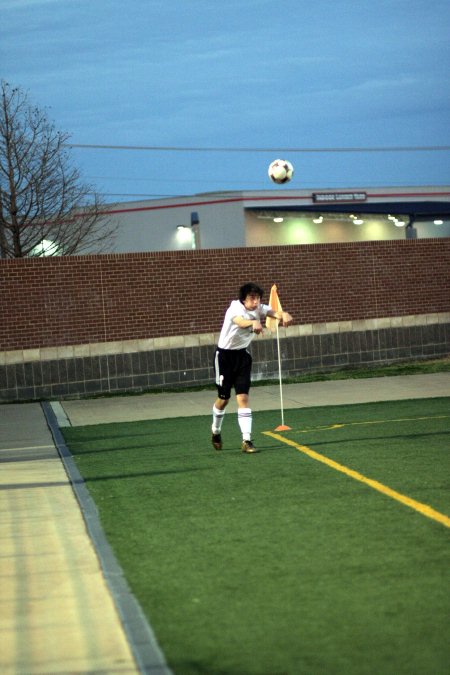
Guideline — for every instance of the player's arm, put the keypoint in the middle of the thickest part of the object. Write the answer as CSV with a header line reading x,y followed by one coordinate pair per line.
x,y
254,324
285,318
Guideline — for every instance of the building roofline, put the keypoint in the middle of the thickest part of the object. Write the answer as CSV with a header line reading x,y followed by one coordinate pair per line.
x,y
333,197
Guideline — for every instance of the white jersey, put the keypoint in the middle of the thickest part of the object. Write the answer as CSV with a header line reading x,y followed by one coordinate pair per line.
x,y
233,337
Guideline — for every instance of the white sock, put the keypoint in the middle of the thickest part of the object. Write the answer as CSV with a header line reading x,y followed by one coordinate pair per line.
x,y
245,423
217,420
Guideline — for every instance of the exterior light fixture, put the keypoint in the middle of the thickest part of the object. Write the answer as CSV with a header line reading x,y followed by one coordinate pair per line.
x,y
45,248
184,234
438,222
190,234
278,219
358,221
397,221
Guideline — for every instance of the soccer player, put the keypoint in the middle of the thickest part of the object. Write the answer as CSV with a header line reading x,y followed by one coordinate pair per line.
x,y
233,363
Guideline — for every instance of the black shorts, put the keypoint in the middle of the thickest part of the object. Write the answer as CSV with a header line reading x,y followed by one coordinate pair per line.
x,y
233,368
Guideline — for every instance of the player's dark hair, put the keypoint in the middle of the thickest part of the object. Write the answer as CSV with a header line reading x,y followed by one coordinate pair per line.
x,y
248,289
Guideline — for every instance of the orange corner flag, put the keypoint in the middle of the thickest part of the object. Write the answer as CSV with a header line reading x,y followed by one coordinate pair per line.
x,y
275,304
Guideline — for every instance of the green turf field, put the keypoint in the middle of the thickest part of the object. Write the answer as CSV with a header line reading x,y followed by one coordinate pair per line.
x,y
283,563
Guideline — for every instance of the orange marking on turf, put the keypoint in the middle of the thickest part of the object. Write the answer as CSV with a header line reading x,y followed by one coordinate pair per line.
x,y
424,509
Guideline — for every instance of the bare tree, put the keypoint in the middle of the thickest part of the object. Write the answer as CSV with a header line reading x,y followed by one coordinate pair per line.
x,y
45,208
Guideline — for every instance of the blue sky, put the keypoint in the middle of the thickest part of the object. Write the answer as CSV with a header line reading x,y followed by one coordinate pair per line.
x,y
237,74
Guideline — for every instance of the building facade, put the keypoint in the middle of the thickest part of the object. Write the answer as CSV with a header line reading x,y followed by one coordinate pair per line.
x,y
281,217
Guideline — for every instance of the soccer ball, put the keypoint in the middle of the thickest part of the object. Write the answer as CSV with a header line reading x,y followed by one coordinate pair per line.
x,y
280,171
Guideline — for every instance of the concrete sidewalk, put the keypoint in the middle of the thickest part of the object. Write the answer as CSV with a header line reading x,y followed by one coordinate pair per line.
x,y
58,614
62,610
338,392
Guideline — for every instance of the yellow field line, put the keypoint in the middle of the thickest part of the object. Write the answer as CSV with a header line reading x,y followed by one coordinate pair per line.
x,y
424,509
339,425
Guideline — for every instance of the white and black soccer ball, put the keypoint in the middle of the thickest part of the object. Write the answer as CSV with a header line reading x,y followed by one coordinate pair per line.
x,y
280,171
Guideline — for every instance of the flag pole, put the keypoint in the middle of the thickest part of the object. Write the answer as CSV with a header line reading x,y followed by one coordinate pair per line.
x,y
279,376
282,426
275,305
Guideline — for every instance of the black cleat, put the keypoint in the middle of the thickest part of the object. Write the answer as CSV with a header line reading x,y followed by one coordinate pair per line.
x,y
216,440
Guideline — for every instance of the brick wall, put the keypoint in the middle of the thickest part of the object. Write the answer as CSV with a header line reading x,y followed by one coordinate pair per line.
x,y
50,302
78,326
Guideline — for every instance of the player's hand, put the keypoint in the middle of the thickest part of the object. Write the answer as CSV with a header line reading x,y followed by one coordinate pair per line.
x,y
286,319
257,327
